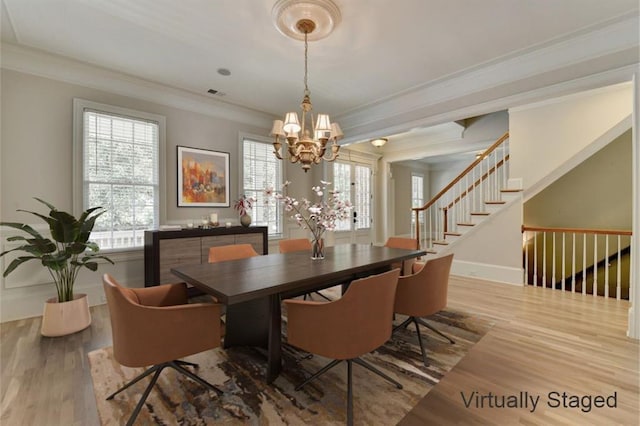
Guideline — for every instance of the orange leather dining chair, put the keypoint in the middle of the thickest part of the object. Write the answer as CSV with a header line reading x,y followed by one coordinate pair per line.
x,y
403,243
231,252
347,328
156,326
422,294
298,244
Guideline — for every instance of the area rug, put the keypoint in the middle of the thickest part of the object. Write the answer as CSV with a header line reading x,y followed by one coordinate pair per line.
x,y
248,400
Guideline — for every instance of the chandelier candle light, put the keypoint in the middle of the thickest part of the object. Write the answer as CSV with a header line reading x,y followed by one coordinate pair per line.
x,y
316,217
304,142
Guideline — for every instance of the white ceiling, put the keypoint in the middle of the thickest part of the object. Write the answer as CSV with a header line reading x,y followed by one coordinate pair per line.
x,y
382,49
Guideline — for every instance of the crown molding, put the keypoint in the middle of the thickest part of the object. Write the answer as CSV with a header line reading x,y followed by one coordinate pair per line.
x,y
55,67
606,55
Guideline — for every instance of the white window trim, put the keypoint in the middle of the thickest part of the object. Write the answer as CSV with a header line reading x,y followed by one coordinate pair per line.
x,y
259,138
79,105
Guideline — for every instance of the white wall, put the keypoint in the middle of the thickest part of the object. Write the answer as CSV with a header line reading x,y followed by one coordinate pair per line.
x,y
544,136
441,174
401,203
36,161
494,250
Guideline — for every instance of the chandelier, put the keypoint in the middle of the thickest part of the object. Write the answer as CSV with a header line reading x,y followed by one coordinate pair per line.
x,y
306,142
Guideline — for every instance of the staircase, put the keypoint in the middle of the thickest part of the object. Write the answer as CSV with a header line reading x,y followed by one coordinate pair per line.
x,y
468,200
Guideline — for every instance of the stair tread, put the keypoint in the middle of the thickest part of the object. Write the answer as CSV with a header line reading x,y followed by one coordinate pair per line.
x,y
466,224
453,234
495,202
511,190
442,243
480,214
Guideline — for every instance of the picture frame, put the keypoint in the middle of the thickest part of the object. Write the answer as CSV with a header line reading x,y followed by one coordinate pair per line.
x,y
203,178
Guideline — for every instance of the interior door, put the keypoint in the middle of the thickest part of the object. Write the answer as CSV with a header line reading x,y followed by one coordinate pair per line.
x,y
354,181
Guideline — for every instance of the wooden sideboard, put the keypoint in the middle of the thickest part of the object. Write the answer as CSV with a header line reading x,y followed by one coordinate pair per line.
x,y
164,250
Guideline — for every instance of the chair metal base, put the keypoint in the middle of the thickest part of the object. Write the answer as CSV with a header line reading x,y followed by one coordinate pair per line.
x,y
358,361
420,321
319,294
157,369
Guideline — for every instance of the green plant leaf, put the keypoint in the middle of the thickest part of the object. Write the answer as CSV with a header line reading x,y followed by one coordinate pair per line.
x,y
17,262
22,227
91,265
87,225
51,206
92,246
92,256
64,227
76,248
56,261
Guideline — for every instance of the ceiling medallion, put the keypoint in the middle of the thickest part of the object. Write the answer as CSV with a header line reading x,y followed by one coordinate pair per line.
x,y
287,13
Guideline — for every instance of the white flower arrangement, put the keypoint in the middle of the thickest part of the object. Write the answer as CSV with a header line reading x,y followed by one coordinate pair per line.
x,y
318,216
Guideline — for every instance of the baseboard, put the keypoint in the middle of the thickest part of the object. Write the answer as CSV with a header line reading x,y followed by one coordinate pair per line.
x,y
498,273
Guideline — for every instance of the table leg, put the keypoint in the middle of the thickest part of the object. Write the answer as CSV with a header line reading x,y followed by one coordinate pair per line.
x,y
247,324
274,362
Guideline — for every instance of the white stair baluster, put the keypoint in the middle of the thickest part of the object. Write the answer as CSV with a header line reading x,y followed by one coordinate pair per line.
x,y
526,257
573,263
562,278
584,263
544,259
553,259
595,265
535,258
618,269
606,265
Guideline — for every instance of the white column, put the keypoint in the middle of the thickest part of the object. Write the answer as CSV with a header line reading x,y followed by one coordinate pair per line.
x,y
634,296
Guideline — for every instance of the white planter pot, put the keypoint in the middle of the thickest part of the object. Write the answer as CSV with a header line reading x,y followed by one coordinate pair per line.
x,y
60,319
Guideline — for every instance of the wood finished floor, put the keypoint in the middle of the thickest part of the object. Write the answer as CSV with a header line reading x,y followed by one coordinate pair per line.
x,y
544,340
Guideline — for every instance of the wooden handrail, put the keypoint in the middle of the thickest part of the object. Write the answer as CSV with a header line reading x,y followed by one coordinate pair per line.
x,y
577,230
477,182
464,172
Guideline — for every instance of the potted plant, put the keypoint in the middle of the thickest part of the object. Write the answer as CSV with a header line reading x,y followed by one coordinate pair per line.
x,y
64,254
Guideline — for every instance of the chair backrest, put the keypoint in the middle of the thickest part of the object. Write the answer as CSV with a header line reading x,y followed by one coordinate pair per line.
x,y
122,304
371,313
425,292
157,324
231,252
357,323
296,244
403,243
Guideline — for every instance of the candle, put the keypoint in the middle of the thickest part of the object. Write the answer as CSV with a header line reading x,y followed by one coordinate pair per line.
x,y
213,218
228,224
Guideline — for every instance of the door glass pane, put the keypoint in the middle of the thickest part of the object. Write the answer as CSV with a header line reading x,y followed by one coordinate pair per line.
x,y
362,202
342,183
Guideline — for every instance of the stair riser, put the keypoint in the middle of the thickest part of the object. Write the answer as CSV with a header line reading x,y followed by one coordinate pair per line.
x,y
492,208
508,196
477,219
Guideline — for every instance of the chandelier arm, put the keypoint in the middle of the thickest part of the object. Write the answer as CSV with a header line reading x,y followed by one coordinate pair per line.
x,y
276,148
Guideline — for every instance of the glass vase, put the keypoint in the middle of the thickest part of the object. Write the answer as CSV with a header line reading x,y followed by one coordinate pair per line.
x,y
317,249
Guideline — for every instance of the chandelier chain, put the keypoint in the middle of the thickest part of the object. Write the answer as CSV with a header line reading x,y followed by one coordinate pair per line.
x,y
306,49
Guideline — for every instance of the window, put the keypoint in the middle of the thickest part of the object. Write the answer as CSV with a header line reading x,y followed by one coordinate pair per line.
x,y
417,197
261,169
117,160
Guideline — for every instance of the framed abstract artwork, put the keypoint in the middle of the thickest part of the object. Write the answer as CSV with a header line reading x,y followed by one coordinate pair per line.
x,y
203,178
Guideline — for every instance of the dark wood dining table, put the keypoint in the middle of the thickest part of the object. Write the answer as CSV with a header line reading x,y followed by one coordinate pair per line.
x,y
253,288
